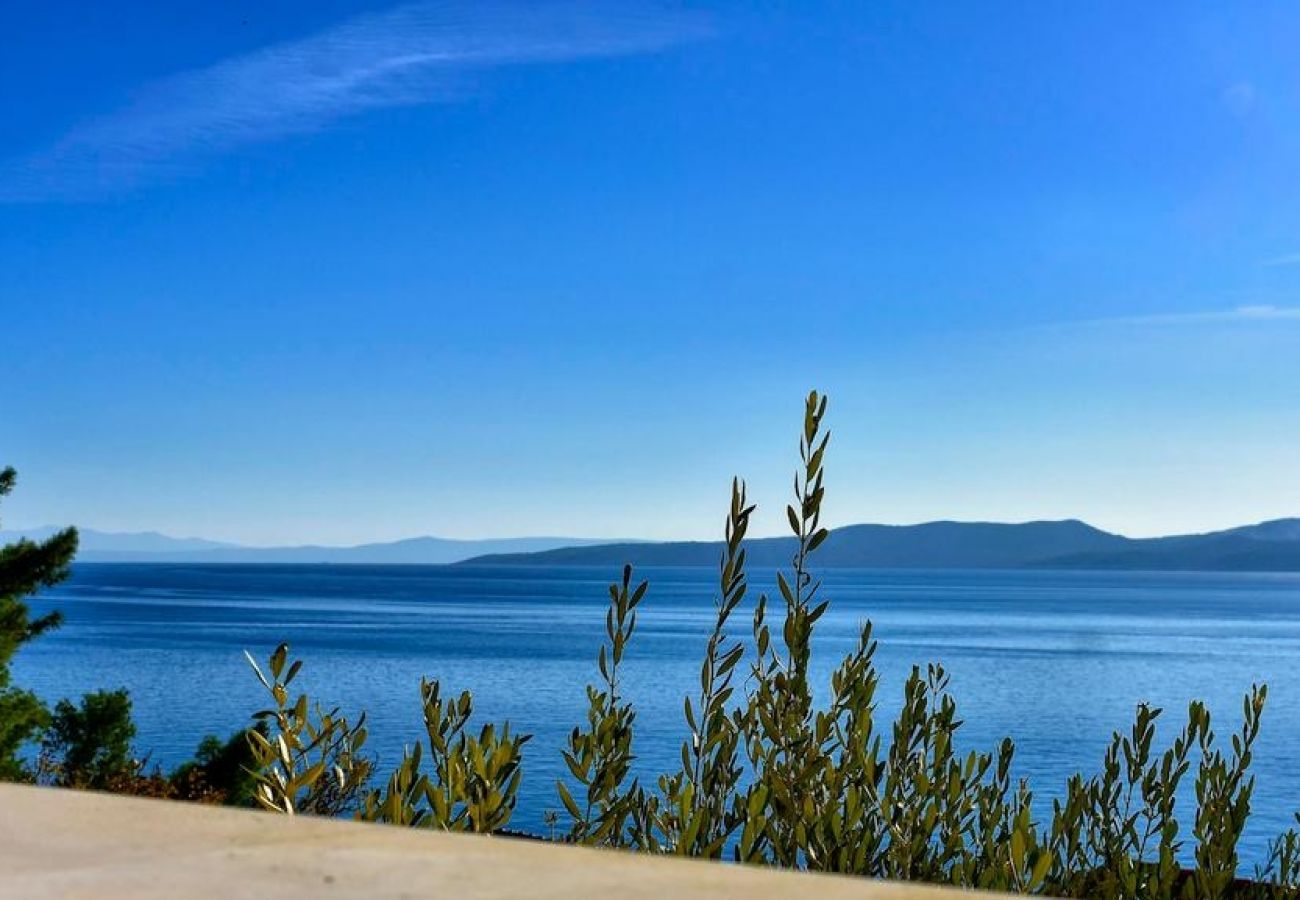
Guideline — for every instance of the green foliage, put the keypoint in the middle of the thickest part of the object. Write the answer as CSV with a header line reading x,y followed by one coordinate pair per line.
x,y
89,745
1223,791
25,568
829,789
475,780
697,811
599,757
22,718
1279,876
778,781
780,738
311,761
1116,834
221,771
305,759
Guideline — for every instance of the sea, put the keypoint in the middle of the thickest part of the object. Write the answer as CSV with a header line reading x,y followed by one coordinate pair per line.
x,y
1055,660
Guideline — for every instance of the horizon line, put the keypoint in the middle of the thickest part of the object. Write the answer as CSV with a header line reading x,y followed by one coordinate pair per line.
x,y
601,541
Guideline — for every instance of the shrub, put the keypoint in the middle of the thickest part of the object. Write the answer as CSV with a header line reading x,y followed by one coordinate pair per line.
x,y
771,779
475,780
781,737
599,757
305,759
89,745
697,809
221,771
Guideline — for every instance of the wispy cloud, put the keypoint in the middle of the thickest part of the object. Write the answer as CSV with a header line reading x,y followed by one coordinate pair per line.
x,y
409,55
1259,313
1287,259
1240,97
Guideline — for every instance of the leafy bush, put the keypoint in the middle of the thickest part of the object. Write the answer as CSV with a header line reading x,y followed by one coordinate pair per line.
x,y
600,756
221,771
770,778
697,808
475,780
305,759
89,745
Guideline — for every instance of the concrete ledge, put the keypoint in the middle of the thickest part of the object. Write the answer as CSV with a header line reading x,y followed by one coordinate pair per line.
x,y
73,844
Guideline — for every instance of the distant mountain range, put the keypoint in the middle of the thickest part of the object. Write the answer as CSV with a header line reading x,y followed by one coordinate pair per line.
x,y
1070,544
1269,547
149,546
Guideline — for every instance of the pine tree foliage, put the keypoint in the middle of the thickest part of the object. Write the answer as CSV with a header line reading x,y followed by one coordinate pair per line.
x,y
26,567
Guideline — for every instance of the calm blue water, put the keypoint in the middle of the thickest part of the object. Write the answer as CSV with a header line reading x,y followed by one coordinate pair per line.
x,y
1057,660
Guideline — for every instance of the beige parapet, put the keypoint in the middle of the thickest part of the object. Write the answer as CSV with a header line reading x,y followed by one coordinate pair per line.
x,y
66,844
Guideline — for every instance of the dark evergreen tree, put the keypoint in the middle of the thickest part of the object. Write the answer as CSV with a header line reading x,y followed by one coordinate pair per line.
x,y
90,743
25,568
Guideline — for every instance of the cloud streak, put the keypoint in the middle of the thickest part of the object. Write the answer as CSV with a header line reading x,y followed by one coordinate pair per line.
x,y
1258,313
409,55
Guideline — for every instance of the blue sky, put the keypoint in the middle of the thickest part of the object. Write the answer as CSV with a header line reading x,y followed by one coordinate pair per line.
x,y
339,271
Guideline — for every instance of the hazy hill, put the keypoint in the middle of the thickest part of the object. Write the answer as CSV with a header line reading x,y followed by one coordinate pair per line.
x,y
420,550
1070,544
1269,546
109,542
100,546
1266,547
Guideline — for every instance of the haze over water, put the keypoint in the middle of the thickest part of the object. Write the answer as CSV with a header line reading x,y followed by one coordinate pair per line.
x,y
1057,660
